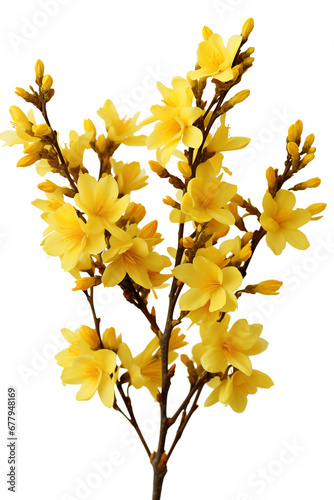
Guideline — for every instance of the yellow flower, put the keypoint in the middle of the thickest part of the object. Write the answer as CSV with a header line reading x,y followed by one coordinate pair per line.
x,y
144,369
222,142
121,131
221,347
94,371
23,128
177,118
214,59
208,282
78,145
83,334
132,256
71,237
207,196
99,200
281,221
234,389
54,201
129,176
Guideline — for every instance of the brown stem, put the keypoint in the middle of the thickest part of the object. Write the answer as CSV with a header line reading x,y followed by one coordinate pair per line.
x,y
56,145
97,320
132,419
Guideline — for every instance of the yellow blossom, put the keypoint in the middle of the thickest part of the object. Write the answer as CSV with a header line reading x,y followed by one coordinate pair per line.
x,y
145,368
129,176
75,151
94,371
207,196
132,256
221,347
121,131
99,200
268,287
176,120
208,282
235,388
82,334
71,237
281,221
214,59
222,142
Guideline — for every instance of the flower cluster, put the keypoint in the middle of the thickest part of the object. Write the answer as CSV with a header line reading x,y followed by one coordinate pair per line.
x,y
96,231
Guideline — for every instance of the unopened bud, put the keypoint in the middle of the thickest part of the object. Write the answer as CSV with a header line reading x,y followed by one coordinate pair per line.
x,y
306,160
170,202
308,143
110,341
311,183
135,212
239,97
28,160
185,169
47,186
271,177
206,33
238,199
187,242
156,167
293,150
268,287
42,129
39,70
247,28
46,83
101,143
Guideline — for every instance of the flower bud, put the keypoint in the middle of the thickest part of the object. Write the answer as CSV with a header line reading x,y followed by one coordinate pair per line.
x,y
308,143
135,212
185,169
306,160
246,238
42,129
170,202
28,160
47,186
101,143
187,242
156,167
34,147
239,97
46,83
268,287
293,150
39,70
311,183
247,28
271,178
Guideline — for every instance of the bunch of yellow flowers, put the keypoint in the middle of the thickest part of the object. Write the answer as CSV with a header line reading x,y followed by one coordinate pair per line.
x,y
97,233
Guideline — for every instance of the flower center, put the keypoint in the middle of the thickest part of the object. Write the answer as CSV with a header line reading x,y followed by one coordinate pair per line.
x,y
283,215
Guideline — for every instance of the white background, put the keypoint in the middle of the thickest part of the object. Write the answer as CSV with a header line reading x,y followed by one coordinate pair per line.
x,y
106,49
